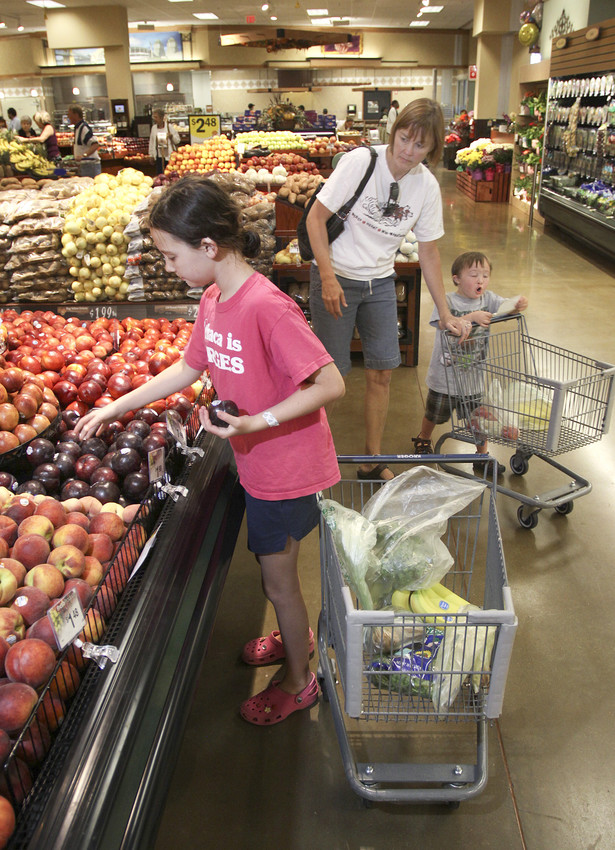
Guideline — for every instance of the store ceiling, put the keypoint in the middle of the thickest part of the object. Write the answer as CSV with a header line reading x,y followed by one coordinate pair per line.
x,y
361,14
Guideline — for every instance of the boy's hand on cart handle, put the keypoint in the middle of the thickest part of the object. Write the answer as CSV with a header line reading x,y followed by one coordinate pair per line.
x,y
481,317
522,303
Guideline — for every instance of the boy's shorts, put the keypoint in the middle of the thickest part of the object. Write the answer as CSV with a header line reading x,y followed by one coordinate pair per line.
x,y
372,307
439,406
270,524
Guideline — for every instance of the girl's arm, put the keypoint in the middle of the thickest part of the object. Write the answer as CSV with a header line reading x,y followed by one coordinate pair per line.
x,y
324,386
171,380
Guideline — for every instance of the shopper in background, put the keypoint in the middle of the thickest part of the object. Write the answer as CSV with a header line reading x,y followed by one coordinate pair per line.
x,y
251,110
26,127
391,119
261,354
472,302
85,145
47,136
352,280
163,139
3,123
14,123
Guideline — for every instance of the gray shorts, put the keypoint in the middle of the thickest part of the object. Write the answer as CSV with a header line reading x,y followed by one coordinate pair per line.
x,y
372,307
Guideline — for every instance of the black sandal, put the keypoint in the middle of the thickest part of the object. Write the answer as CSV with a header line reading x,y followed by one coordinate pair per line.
x,y
373,474
422,446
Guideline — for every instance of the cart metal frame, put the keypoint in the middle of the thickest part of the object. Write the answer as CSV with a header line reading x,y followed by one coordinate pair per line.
x,y
355,638
575,411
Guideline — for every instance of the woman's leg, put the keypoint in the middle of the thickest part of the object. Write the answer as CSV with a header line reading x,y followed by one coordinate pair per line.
x,y
283,589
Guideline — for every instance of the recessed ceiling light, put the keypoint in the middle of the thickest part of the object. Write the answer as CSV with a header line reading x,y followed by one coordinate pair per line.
x,y
264,7
419,23
432,8
2,25
321,22
181,1
46,4
205,16
273,18
318,13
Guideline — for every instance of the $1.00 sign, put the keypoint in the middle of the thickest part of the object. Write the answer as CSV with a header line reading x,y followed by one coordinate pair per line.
x,y
203,127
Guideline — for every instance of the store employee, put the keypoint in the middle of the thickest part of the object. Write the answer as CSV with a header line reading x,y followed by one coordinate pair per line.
x,y
84,145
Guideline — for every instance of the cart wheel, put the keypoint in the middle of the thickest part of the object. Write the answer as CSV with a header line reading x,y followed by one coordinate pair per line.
x,y
527,520
565,508
519,465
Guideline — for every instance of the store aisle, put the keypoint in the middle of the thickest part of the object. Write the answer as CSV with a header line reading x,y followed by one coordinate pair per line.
x,y
551,771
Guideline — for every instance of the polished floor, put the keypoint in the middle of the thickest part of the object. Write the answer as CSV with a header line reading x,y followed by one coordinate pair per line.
x,y
551,767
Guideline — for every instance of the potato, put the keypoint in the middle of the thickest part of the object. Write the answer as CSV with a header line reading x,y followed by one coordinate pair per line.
x,y
301,200
284,192
292,197
303,184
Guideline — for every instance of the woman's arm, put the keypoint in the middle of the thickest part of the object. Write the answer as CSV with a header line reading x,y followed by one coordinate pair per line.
x,y
171,380
45,133
431,268
332,293
324,386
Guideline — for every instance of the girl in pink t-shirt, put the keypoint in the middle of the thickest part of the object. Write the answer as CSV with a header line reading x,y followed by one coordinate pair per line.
x,y
262,355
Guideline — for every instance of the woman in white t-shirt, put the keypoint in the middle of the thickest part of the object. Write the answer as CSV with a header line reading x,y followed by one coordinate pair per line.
x,y
163,139
352,280
391,119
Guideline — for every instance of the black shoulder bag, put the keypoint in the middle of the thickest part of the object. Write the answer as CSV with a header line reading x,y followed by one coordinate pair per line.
x,y
335,224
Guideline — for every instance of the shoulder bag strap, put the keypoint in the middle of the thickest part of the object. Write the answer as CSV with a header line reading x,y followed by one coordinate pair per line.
x,y
345,209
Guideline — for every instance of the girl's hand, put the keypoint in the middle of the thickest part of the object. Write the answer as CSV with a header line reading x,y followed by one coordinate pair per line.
x,y
236,424
93,422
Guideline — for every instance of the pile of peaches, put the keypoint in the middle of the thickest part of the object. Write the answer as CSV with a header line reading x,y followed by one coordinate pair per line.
x,y
48,548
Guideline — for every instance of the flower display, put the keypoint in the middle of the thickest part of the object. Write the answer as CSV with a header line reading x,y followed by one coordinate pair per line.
x,y
484,155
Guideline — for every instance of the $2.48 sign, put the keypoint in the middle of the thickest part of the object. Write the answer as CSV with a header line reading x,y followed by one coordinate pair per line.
x,y
203,127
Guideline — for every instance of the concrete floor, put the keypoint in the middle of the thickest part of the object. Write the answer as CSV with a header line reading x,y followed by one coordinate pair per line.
x,y
551,767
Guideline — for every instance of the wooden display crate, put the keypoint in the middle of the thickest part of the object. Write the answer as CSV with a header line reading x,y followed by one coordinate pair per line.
x,y
496,190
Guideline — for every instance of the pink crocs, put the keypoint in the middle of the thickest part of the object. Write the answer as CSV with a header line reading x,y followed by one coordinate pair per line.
x,y
268,650
274,705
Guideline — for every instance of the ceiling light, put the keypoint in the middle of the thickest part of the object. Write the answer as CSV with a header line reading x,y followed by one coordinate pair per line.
x,y
180,1
318,13
169,86
20,27
264,7
76,90
273,18
432,9
205,16
424,2
419,23
2,25
321,22
46,4
33,93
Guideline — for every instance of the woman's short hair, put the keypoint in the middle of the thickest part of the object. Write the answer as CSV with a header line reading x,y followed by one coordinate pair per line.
x,y
42,117
423,117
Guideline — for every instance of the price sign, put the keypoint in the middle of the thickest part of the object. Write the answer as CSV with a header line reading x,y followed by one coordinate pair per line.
x,y
203,127
67,618
155,464
103,311
177,429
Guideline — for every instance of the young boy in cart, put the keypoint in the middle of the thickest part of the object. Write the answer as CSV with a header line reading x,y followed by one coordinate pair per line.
x,y
471,273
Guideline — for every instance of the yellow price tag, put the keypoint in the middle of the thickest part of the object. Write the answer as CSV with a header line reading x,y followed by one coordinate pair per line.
x,y
203,127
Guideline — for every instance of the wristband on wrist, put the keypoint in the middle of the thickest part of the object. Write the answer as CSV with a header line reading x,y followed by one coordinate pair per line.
x,y
270,418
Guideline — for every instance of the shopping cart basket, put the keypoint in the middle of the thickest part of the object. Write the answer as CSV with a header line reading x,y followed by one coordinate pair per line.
x,y
357,651
514,389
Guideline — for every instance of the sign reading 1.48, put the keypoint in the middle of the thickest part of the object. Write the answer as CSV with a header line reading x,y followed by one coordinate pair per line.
x,y
203,127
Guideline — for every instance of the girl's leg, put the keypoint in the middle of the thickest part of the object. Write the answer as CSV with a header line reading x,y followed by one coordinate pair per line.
x,y
282,588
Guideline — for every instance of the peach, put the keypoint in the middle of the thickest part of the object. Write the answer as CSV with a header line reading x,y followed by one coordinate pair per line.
x,y
8,529
5,494
4,548
90,505
84,590
8,586
71,534
31,549
35,744
77,518
6,745
105,601
68,559
4,648
16,702
107,523
30,661
101,547
51,711
53,510
73,505
116,579
16,567
19,507
130,512
11,623
43,630
31,603
48,578
65,682
94,628
93,571
113,508
16,782
36,524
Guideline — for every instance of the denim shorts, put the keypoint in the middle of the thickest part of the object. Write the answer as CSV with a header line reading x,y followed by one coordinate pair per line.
x,y
270,524
372,307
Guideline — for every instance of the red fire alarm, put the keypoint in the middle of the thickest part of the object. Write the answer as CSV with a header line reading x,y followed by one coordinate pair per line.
x,y
472,72
250,19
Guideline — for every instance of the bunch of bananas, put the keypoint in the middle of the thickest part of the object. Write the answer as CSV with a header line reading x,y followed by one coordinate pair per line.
x,y
435,604
22,158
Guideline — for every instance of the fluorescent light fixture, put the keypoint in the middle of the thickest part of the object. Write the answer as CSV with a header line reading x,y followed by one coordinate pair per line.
x,y
205,16
432,9
419,23
46,4
318,13
180,1
321,22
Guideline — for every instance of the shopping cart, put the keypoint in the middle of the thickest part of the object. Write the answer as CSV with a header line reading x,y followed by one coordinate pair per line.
x,y
517,390
357,649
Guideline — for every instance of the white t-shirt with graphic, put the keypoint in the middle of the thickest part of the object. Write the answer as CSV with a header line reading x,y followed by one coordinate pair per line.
x,y
367,247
